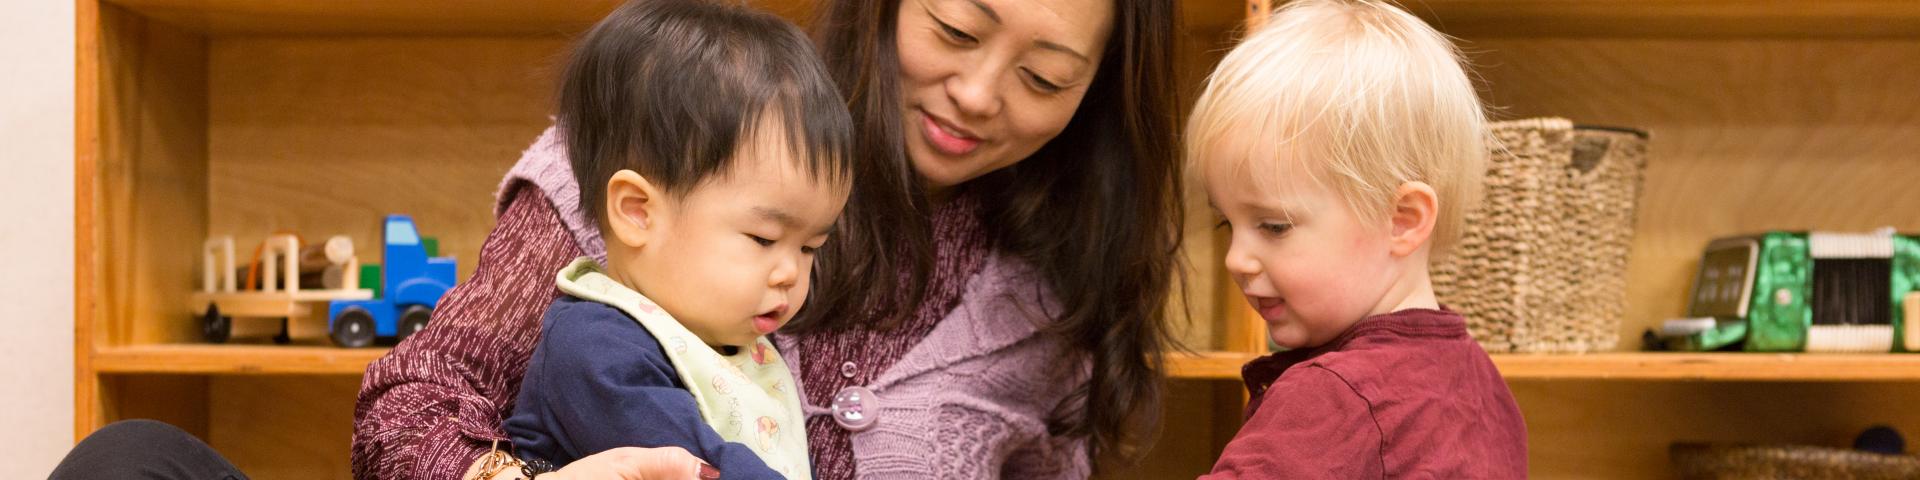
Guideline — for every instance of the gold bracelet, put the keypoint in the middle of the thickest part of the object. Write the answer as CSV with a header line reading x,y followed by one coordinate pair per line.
x,y
496,462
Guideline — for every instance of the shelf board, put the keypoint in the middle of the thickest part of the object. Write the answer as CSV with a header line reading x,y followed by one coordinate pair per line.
x,y
269,360
1635,366
235,359
1828,367
1670,18
1210,365
407,17
479,17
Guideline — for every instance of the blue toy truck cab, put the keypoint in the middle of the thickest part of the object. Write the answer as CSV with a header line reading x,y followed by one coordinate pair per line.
x,y
411,284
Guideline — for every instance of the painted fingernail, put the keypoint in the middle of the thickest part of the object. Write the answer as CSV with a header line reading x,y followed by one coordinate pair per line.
x,y
707,472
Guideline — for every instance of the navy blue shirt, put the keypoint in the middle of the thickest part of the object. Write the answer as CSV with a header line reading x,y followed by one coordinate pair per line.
x,y
598,380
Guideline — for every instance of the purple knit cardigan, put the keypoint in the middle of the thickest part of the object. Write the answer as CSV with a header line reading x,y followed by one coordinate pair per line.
x,y
971,401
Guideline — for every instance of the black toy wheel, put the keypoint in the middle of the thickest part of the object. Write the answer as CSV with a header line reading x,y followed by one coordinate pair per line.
x,y
284,337
414,320
214,326
353,328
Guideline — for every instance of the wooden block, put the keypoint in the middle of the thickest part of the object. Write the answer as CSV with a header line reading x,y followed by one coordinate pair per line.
x,y
1911,322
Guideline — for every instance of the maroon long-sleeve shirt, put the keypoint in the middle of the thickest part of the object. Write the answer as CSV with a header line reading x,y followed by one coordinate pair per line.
x,y
1402,395
434,405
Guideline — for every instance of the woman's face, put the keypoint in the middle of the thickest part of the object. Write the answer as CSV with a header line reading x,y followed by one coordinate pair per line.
x,y
985,83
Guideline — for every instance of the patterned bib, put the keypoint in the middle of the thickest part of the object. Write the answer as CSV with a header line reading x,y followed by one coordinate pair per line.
x,y
747,397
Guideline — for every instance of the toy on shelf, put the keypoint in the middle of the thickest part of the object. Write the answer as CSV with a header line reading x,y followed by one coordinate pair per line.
x,y
273,288
1811,292
409,288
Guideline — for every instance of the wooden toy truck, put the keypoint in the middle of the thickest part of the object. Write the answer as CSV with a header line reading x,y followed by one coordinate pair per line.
x,y
278,296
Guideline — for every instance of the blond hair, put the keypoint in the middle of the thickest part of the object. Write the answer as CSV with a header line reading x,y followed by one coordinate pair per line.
x,y
1362,95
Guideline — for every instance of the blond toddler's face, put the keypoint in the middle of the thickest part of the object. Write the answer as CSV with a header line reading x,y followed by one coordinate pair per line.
x,y
732,258
1302,258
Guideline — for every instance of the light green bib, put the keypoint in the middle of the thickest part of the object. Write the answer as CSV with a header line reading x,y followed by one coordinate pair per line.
x,y
748,397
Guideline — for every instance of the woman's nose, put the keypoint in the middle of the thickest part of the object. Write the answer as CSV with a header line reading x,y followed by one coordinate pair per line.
x,y
975,91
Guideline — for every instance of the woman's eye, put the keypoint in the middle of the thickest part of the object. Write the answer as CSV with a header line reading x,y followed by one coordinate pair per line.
x,y
809,250
1042,84
954,33
1223,225
1276,229
760,240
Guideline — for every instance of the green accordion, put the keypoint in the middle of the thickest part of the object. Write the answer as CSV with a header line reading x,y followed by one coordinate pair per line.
x,y
1803,292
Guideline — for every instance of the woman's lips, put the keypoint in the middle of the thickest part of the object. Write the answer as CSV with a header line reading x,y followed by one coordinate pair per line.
x,y
945,137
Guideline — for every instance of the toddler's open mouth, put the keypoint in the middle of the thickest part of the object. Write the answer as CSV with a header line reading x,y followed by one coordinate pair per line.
x,y
768,321
1270,308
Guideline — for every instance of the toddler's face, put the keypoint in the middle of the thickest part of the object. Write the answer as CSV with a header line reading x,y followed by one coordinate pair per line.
x,y
732,258
1299,254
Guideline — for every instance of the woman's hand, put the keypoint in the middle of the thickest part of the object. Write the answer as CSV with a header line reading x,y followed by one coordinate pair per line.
x,y
624,463
635,463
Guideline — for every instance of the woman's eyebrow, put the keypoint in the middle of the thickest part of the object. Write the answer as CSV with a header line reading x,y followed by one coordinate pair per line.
x,y
987,9
1062,49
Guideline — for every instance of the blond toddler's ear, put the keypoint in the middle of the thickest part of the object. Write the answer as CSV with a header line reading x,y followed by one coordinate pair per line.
x,y
1415,211
633,208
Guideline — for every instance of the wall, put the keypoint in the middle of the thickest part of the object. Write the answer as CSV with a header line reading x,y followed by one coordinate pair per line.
x,y
36,234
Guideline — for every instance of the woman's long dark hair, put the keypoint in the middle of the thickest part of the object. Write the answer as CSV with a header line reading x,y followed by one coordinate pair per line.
x,y
1096,210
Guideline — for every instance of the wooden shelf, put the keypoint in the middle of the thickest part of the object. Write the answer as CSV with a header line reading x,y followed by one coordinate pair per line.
x,y
235,359
411,17
1712,367
1770,367
1530,18
478,17
1672,19
1213,365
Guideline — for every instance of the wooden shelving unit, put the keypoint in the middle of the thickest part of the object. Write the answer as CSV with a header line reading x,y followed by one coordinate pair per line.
x,y
234,360
199,117
1764,115
1706,367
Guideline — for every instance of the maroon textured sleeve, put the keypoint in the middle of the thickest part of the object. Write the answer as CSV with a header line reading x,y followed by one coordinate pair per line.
x,y
432,406
1310,424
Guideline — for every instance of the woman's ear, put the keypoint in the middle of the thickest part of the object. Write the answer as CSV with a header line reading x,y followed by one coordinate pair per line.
x,y
633,210
1415,210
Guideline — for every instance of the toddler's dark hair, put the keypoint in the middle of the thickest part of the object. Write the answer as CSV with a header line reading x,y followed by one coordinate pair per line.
x,y
671,88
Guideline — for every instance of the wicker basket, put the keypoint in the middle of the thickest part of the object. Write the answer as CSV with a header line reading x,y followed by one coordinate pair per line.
x,y
1694,461
1542,263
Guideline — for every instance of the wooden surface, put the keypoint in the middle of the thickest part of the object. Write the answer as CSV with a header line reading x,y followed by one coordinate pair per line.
x,y
413,17
1748,135
179,400
1671,18
236,359
1776,367
142,154
284,426
86,153
152,176
1662,18
1208,365
1616,430
324,136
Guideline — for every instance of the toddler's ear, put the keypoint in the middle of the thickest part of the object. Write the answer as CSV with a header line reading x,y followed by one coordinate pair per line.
x,y
633,208
1415,210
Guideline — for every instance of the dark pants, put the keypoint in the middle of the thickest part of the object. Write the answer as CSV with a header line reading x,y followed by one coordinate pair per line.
x,y
144,449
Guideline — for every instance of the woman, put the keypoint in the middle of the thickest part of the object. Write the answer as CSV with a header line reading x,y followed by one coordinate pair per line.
x,y
992,303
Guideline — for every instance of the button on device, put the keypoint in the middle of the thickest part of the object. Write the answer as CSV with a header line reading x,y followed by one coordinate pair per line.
x,y
855,408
